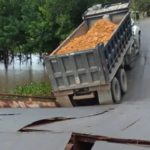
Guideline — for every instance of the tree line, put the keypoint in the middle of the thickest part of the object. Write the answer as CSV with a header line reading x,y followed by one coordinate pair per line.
x,y
29,26
141,5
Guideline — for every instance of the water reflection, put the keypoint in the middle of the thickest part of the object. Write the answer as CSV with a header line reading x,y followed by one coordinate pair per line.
x,y
22,72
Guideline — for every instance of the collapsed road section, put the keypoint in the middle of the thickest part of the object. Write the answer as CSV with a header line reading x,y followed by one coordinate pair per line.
x,y
76,128
88,142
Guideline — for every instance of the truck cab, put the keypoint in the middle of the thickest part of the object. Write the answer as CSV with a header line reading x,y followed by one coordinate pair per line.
x,y
136,31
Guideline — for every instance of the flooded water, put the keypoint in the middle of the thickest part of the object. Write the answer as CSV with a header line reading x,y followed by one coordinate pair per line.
x,y
20,73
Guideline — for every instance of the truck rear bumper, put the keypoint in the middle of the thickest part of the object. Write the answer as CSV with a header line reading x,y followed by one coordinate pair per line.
x,y
101,94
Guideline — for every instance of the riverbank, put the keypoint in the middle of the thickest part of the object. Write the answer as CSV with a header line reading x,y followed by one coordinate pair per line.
x,y
18,101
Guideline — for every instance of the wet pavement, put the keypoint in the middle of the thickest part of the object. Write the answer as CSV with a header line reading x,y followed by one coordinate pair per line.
x,y
118,127
123,126
139,76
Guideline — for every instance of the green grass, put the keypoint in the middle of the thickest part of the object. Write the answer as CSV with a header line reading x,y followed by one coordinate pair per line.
x,y
33,89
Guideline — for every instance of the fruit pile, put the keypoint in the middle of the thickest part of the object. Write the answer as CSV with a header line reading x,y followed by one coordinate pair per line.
x,y
100,32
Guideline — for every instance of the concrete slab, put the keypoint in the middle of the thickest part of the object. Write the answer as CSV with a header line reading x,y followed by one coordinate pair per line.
x,y
33,141
24,117
126,121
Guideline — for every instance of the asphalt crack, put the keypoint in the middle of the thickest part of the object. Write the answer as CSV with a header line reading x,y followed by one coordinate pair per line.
x,y
130,125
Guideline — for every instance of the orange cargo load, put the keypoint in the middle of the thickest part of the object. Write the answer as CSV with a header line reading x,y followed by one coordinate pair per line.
x,y
100,32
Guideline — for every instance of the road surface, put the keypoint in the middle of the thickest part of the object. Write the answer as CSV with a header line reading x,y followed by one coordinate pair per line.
x,y
139,76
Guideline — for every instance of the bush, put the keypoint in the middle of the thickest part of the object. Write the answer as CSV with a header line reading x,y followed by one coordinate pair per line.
x,y
34,89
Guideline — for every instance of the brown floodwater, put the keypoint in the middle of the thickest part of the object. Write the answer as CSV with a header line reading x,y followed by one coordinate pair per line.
x,y
22,72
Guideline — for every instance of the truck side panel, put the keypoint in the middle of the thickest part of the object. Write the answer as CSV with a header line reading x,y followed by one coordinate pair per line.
x,y
117,47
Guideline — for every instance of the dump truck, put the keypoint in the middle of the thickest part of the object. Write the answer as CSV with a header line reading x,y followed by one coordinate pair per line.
x,y
96,75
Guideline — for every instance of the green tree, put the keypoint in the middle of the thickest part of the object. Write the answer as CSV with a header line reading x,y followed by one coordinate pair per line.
x,y
9,24
39,25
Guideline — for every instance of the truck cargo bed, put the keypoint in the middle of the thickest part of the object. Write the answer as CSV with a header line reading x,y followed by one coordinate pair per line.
x,y
91,67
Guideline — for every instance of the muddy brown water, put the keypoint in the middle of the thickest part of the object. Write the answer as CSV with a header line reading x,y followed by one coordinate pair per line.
x,y
20,73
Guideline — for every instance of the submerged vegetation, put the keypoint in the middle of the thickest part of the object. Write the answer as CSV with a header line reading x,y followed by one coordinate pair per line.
x,y
33,89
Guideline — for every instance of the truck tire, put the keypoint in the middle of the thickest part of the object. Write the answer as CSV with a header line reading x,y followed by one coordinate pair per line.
x,y
116,91
122,77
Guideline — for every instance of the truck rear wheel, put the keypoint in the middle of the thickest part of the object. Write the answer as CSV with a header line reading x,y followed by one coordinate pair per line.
x,y
116,91
122,77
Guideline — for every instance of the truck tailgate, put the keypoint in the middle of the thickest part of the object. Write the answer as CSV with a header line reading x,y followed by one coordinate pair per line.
x,y
76,70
